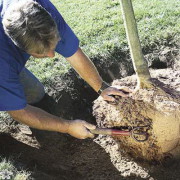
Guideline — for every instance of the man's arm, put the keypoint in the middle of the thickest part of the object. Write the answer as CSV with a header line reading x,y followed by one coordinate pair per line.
x,y
39,119
86,69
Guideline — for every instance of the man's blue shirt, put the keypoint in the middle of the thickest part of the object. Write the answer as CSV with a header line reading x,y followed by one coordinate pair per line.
x,y
13,60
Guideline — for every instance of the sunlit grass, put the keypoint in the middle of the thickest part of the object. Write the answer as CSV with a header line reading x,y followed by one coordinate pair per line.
x,y
14,173
99,27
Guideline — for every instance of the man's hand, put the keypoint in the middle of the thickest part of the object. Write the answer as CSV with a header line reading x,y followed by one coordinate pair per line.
x,y
79,129
109,92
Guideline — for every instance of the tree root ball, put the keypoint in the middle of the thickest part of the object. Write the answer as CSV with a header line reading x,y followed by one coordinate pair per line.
x,y
157,109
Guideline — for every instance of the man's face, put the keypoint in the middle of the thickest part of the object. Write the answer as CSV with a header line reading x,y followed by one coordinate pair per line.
x,y
50,53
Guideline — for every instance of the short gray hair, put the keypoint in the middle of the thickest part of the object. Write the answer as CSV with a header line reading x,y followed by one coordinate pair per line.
x,y
30,27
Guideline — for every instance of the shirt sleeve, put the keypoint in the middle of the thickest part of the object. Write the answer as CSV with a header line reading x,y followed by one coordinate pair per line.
x,y
69,42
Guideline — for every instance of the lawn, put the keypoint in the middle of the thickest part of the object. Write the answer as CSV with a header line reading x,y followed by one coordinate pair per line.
x,y
9,171
99,27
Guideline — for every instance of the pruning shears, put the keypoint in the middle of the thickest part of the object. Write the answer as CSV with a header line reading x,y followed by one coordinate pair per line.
x,y
138,133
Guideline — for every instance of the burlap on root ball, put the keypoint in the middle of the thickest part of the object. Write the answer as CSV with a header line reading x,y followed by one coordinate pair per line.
x,y
158,107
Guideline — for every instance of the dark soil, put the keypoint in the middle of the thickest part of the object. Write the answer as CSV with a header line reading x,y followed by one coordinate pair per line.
x,y
51,155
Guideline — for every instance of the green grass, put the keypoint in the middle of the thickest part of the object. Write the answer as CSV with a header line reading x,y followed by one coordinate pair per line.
x,y
99,27
7,166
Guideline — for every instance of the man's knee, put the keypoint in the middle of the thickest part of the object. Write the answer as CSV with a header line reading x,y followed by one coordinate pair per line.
x,y
33,88
35,94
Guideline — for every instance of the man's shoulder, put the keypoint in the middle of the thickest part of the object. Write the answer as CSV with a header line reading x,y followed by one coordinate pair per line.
x,y
11,57
10,54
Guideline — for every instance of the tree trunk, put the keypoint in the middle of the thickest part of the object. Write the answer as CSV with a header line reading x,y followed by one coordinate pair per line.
x,y
140,65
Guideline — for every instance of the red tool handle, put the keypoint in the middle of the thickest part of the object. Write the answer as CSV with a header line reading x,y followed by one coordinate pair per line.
x,y
112,132
116,132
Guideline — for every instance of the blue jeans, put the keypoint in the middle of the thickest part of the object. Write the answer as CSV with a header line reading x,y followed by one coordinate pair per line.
x,y
33,88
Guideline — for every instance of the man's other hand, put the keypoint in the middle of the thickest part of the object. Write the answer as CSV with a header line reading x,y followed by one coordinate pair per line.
x,y
80,129
109,93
